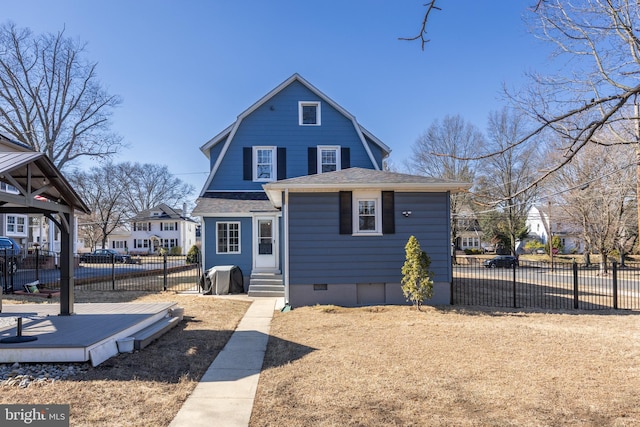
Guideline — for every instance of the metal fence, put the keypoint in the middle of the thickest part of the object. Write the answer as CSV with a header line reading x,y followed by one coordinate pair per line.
x,y
544,285
143,273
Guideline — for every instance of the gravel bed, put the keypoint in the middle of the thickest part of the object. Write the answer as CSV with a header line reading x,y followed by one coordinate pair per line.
x,y
25,374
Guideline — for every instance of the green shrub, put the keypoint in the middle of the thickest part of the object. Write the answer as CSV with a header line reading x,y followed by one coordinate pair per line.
x,y
417,280
193,256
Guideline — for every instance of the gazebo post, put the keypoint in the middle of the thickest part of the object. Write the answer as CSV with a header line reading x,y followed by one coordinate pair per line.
x,y
67,263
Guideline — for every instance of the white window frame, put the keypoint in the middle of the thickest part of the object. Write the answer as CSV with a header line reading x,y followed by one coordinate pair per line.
x,y
301,105
141,244
119,244
274,163
228,245
8,188
367,196
168,226
16,225
322,148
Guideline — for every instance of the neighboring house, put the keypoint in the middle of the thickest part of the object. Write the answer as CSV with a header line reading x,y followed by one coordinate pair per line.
x,y
538,223
470,234
153,229
331,226
15,226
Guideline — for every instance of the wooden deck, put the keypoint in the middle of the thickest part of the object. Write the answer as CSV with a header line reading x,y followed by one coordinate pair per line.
x,y
90,334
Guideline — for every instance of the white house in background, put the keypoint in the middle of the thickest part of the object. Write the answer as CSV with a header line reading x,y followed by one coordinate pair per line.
x,y
156,228
538,223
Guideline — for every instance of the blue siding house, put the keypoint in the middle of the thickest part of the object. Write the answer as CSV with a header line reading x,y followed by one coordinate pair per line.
x,y
297,199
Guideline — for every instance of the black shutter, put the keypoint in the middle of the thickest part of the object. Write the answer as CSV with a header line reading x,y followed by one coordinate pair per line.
x,y
388,214
346,219
247,163
312,153
345,158
176,226
282,163
160,226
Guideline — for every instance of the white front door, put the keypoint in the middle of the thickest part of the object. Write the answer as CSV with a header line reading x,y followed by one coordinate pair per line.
x,y
265,243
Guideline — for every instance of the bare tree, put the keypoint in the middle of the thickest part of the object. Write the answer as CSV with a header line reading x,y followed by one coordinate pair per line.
x,y
148,185
117,192
50,98
595,87
595,194
504,184
436,154
103,194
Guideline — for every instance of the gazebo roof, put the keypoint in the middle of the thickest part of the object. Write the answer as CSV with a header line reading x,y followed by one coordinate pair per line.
x,y
41,187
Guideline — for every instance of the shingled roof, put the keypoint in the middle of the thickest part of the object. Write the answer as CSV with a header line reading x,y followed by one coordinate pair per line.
x,y
362,179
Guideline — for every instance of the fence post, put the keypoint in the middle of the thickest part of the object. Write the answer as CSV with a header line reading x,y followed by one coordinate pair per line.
x,y
37,263
164,284
615,285
5,282
576,301
113,272
513,267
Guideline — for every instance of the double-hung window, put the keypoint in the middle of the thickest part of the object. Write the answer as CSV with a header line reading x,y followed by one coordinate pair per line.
x,y
228,237
328,158
309,113
16,224
367,212
264,164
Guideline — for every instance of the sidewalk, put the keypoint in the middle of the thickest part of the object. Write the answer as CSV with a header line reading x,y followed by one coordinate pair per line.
x,y
224,396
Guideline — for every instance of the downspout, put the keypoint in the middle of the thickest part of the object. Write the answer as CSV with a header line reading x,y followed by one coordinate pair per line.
x,y
285,212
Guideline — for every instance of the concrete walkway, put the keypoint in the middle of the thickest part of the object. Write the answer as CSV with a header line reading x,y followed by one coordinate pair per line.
x,y
224,396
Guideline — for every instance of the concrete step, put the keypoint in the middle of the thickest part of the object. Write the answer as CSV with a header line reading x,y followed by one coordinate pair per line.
x,y
256,293
266,285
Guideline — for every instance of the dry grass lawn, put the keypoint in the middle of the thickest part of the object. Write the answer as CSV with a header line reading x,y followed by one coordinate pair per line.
x,y
144,388
393,366
374,366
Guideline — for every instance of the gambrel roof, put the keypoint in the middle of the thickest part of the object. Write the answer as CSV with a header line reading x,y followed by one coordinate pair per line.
x,y
227,135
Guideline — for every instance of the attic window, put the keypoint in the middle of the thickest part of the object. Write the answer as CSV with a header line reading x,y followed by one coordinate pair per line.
x,y
309,113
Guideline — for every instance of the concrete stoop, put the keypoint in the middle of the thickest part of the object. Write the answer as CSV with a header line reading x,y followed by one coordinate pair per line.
x,y
266,285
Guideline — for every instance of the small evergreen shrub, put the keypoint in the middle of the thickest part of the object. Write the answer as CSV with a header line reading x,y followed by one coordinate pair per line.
x,y
193,256
417,280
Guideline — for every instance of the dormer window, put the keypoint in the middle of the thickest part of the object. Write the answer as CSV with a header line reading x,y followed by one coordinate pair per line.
x,y
309,113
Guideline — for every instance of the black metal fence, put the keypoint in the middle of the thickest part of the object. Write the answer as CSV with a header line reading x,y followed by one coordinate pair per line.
x,y
557,286
142,273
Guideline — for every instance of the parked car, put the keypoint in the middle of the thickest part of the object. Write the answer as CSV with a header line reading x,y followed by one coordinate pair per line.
x,y
488,248
9,254
105,255
501,261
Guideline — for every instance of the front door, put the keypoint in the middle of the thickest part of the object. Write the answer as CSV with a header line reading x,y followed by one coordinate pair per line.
x,y
266,244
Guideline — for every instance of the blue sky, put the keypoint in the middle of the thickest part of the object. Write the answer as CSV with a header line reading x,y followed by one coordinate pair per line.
x,y
186,69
